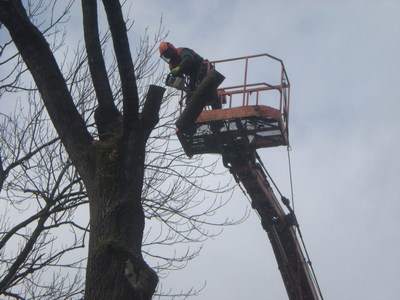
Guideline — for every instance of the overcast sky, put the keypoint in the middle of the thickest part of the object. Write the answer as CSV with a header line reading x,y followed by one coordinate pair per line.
x,y
342,61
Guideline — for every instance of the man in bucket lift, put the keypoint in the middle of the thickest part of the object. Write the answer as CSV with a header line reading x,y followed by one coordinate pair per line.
x,y
184,61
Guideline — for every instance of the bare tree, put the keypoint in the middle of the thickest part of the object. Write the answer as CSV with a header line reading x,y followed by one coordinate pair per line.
x,y
110,179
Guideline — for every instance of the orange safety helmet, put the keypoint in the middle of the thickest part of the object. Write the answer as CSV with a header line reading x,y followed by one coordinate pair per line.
x,y
167,51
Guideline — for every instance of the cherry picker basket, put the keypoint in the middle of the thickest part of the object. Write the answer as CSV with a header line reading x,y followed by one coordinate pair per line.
x,y
255,108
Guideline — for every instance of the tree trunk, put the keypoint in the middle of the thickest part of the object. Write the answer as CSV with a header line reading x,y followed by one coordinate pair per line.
x,y
112,169
116,269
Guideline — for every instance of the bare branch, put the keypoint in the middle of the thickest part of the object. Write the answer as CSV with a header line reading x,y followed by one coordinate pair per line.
x,y
107,112
44,69
125,65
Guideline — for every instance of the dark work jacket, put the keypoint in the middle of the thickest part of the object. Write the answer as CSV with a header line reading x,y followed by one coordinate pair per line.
x,y
188,61
193,65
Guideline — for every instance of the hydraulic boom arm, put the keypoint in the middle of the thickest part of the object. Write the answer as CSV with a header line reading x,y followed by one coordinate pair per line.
x,y
280,227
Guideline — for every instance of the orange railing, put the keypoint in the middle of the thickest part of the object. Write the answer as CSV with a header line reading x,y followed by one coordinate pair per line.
x,y
245,92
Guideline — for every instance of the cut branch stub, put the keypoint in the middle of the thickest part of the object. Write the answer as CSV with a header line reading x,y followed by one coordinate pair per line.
x,y
151,108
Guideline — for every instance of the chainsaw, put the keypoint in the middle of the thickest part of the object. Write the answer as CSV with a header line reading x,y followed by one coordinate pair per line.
x,y
176,82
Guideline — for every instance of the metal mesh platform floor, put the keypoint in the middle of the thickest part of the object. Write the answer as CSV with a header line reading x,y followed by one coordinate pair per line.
x,y
255,126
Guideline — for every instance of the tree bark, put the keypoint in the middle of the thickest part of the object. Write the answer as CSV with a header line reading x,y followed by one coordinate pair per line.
x,y
116,224
117,219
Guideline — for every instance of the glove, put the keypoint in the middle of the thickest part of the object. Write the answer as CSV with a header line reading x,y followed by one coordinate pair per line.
x,y
175,71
